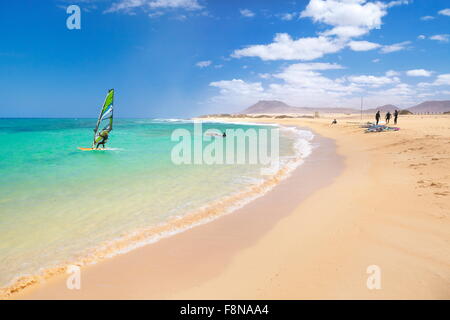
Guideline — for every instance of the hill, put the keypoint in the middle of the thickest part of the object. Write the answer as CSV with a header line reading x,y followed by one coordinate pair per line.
x,y
383,109
274,106
431,107
270,106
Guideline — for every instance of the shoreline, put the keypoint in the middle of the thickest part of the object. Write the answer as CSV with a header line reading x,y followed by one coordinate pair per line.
x,y
149,235
325,145
388,206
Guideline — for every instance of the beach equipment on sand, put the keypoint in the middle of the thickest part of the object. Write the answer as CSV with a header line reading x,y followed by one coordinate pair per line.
x,y
105,118
381,128
367,125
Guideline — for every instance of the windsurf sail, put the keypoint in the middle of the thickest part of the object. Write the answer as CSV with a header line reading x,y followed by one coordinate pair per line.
x,y
105,119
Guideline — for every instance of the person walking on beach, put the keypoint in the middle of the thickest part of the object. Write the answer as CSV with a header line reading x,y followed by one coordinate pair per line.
x,y
395,116
388,117
377,116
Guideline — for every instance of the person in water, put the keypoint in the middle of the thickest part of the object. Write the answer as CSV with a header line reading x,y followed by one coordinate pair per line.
x,y
388,117
395,116
377,116
224,134
104,135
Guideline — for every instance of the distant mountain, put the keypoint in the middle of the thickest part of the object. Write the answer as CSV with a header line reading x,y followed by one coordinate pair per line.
x,y
274,106
431,106
383,109
270,106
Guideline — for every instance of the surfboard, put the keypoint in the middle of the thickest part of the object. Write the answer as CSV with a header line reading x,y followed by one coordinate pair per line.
x,y
92,149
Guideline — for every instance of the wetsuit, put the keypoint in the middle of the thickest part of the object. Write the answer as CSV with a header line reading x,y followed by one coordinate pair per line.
x,y
104,137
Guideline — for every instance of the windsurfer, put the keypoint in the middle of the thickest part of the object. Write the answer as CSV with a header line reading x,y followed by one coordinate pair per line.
x,y
103,138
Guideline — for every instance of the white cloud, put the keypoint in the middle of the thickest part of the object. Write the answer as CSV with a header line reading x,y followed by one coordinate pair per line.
x,y
427,18
363,45
401,89
237,93
395,47
156,14
315,66
358,16
441,80
264,75
376,60
305,76
308,88
398,3
203,64
419,73
125,5
301,82
304,84
247,13
440,37
284,47
445,12
288,16
392,73
421,37
185,4
345,32
237,86
128,5
368,80
348,18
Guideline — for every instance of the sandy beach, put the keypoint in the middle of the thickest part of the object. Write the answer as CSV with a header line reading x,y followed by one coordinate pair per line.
x,y
181,151
360,199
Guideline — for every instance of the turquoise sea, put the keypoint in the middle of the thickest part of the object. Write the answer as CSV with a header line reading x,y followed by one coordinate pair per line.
x,y
60,205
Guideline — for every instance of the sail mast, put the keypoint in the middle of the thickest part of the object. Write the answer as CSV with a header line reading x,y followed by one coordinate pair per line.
x,y
105,113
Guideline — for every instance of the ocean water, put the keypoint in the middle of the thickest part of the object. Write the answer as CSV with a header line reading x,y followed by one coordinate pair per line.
x,y
60,205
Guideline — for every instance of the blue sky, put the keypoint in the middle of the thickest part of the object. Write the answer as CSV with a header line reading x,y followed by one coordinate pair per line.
x,y
180,58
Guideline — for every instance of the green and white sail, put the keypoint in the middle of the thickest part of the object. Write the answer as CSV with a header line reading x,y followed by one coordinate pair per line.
x,y
105,119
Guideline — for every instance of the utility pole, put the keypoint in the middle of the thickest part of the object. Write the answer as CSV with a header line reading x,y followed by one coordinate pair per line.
x,y
361,107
